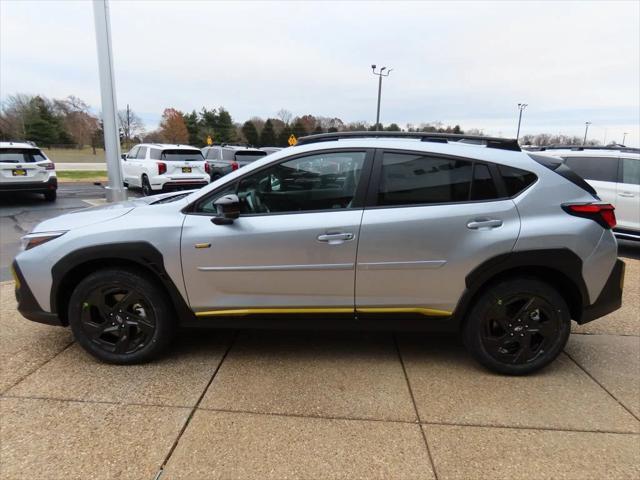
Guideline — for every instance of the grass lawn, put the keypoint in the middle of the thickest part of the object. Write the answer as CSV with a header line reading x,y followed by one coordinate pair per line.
x,y
82,176
74,155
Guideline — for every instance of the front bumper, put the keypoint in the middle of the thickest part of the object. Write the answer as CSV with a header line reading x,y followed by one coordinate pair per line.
x,y
610,298
27,304
51,184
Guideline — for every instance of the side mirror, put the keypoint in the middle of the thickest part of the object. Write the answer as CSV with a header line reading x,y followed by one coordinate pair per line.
x,y
228,208
124,157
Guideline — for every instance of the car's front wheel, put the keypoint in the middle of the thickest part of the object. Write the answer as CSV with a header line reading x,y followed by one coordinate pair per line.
x,y
517,326
121,316
146,186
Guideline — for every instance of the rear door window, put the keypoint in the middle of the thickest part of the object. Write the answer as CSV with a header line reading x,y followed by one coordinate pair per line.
x,y
631,171
414,179
603,169
515,179
483,186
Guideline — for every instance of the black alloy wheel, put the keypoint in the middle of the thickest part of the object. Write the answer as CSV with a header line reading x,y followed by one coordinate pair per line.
x,y
121,315
146,186
517,326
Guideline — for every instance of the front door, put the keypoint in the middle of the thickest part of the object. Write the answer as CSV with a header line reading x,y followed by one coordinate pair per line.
x,y
293,248
628,190
434,220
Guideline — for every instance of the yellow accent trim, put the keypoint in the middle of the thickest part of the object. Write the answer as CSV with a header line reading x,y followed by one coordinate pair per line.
x,y
429,312
15,278
252,311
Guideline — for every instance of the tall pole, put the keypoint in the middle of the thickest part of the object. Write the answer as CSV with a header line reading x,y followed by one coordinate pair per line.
x,y
380,74
624,137
521,107
115,191
586,129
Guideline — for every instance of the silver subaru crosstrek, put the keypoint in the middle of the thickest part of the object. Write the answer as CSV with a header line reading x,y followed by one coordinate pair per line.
x,y
347,230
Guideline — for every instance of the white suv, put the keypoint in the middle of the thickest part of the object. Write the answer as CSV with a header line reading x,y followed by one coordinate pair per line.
x,y
615,174
25,168
159,166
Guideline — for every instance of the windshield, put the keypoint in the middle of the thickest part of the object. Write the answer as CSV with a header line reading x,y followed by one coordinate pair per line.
x,y
182,155
21,155
249,156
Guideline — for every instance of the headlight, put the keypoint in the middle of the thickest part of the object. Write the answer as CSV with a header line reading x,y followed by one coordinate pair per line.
x,y
34,239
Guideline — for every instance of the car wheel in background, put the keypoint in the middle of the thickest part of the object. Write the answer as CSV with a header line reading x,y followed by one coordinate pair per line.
x,y
146,186
517,326
51,195
121,316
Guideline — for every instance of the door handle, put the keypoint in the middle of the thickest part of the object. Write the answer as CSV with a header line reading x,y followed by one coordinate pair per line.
x,y
484,223
626,194
335,238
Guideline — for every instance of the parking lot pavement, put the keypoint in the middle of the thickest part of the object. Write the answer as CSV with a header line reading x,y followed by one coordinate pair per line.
x,y
319,405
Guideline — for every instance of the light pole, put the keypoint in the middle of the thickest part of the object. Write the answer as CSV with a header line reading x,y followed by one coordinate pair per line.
x,y
624,137
586,129
521,107
380,74
115,192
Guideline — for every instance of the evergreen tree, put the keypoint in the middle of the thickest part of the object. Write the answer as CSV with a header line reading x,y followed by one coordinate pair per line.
x,y
250,132
298,130
268,135
283,136
224,127
392,128
193,127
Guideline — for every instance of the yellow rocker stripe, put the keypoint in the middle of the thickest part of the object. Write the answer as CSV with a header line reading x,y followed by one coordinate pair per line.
x,y
430,312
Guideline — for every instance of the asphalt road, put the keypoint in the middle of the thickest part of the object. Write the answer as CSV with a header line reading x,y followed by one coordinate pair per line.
x,y
19,213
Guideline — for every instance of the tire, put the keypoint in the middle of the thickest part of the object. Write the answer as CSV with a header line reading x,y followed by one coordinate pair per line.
x,y
146,186
517,326
121,316
51,195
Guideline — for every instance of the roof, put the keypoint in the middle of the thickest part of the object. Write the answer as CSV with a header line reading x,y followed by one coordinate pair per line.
x,y
17,145
487,142
167,146
583,148
233,147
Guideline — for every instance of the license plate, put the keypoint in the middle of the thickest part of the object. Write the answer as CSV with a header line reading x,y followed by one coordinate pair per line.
x,y
186,169
19,172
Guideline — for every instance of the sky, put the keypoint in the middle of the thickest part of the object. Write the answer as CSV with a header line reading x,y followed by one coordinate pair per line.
x,y
457,62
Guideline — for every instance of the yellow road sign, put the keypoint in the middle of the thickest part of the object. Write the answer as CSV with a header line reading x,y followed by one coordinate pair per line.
x,y
292,140
209,140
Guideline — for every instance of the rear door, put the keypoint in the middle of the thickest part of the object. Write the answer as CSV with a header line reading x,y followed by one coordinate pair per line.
x,y
628,189
435,219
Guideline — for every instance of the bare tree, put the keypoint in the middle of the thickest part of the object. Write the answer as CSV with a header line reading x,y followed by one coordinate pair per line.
x,y
131,124
77,119
284,115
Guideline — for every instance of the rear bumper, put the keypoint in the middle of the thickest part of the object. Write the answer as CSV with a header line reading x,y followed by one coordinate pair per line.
x,y
626,234
610,298
27,304
183,185
51,184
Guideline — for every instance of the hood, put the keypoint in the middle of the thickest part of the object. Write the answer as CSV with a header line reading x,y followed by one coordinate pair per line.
x,y
101,213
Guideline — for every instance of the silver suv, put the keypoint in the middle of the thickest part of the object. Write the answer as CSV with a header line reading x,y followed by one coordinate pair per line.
x,y
348,230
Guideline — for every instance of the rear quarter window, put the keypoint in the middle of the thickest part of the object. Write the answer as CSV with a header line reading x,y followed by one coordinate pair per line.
x,y
631,171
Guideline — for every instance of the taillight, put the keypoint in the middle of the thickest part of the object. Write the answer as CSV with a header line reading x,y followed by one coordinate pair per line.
x,y
162,168
234,166
603,213
207,168
49,166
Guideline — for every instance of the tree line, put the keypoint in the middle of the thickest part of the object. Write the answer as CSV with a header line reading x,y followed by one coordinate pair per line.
x,y
70,123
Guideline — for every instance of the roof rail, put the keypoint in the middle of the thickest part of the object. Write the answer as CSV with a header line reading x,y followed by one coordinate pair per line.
x,y
489,142
580,148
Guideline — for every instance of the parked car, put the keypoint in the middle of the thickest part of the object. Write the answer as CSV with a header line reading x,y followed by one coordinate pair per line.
x,y
224,159
345,230
25,168
163,167
270,150
615,175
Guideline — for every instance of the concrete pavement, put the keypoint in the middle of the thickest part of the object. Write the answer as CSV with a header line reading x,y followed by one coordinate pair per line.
x,y
319,405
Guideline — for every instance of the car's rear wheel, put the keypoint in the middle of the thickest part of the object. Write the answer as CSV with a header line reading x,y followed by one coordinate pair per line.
x,y
146,186
517,326
121,316
50,196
